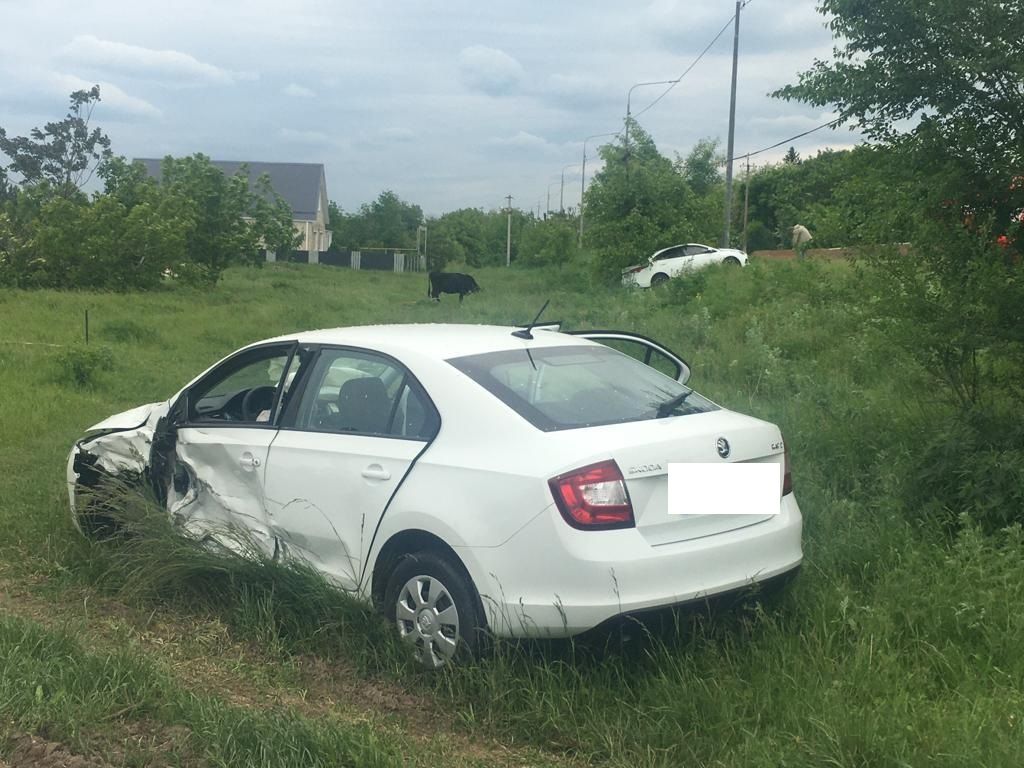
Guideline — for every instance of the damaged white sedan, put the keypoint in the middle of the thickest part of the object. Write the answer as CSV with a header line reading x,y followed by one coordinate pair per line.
x,y
466,479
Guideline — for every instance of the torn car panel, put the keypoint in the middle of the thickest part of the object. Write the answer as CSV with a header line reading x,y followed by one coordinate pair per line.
x,y
216,484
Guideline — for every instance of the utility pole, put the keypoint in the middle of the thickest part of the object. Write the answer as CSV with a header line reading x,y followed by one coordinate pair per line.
x,y
746,204
732,129
508,232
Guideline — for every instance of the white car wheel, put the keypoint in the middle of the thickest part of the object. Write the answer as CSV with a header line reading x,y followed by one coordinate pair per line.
x,y
435,610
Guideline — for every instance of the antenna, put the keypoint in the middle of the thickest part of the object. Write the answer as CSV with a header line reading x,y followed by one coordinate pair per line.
x,y
525,332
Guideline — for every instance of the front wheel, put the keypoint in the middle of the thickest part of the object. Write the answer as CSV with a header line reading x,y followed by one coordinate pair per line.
x,y
731,261
436,609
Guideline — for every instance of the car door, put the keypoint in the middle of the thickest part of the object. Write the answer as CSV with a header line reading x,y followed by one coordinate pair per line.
x,y
673,261
345,446
646,350
210,459
701,255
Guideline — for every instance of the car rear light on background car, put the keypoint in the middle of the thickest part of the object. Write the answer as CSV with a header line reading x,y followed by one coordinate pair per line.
x,y
633,270
787,474
594,497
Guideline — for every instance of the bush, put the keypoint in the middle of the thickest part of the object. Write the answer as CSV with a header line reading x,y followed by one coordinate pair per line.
x,y
81,363
969,468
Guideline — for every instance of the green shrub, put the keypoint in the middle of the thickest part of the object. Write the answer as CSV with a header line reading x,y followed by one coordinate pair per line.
x,y
82,362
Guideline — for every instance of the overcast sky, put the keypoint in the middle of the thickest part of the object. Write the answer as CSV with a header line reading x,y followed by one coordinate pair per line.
x,y
451,105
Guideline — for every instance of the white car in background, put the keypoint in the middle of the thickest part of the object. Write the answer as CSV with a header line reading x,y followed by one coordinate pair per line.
x,y
669,262
466,479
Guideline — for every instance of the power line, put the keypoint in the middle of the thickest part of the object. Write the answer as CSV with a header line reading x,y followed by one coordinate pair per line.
x,y
695,61
785,141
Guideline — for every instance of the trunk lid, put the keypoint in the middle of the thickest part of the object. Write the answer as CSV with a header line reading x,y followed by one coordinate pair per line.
x,y
643,451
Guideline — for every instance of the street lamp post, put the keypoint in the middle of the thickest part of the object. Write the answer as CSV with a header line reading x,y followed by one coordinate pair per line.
x,y
629,96
583,176
548,209
561,192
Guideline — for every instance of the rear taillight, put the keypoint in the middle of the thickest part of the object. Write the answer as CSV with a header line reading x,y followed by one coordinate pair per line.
x,y
593,497
787,475
634,270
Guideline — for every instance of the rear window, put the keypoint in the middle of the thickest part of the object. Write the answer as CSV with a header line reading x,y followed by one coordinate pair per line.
x,y
579,386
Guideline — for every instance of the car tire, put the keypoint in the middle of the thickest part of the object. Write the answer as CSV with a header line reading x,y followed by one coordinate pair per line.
x,y
658,279
436,609
731,261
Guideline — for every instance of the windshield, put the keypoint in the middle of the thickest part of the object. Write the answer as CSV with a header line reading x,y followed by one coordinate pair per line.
x,y
579,386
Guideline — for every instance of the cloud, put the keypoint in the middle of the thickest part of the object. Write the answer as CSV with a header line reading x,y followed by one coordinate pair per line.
x,y
768,26
303,137
489,70
299,91
794,123
521,140
400,135
111,97
134,60
576,91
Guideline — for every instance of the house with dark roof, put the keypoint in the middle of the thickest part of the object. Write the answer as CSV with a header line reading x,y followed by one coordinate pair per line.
x,y
302,185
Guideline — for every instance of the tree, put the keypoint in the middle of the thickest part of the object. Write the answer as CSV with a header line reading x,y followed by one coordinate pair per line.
x,y
272,219
552,241
63,154
937,83
701,166
792,157
224,222
953,70
640,202
387,222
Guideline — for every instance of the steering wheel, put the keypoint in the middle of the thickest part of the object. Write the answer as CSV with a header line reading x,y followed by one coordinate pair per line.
x,y
251,407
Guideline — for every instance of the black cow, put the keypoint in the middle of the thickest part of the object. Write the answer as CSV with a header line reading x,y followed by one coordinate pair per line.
x,y
450,282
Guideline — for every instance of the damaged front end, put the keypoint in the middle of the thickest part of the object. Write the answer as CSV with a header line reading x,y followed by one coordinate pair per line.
x,y
115,451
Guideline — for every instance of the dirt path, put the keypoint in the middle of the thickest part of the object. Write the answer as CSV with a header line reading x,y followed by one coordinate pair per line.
x,y
200,653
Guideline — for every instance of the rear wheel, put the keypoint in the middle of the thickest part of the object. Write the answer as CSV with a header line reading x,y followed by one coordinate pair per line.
x,y
658,279
436,609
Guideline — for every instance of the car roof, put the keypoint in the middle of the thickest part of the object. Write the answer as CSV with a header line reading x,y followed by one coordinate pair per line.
x,y
438,340
680,245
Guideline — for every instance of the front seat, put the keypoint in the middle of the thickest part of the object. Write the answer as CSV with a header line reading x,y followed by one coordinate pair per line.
x,y
363,406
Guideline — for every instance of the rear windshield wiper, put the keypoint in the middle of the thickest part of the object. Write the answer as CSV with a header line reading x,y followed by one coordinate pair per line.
x,y
668,406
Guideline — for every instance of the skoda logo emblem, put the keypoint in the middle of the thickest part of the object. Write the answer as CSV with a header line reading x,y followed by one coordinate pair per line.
x,y
723,448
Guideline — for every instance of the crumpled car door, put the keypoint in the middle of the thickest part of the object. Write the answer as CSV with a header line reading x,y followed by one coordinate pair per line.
x,y
209,455
217,487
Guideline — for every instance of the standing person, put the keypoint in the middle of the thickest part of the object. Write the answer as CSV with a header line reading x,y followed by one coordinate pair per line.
x,y
801,241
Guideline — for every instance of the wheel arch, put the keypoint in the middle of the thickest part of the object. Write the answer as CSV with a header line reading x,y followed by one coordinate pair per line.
x,y
405,543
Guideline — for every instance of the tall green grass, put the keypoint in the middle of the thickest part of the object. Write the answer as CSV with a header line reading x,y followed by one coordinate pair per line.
x,y
899,644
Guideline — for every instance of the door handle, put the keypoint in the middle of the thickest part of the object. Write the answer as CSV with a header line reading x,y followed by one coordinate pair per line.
x,y
248,461
376,472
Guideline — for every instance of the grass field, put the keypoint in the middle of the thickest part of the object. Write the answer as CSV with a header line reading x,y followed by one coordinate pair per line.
x,y
898,645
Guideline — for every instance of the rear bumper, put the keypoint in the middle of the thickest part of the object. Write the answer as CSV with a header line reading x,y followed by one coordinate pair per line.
x,y
550,580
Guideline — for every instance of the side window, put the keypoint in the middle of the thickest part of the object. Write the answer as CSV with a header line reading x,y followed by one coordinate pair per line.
x,y
671,253
242,390
358,392
645,354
